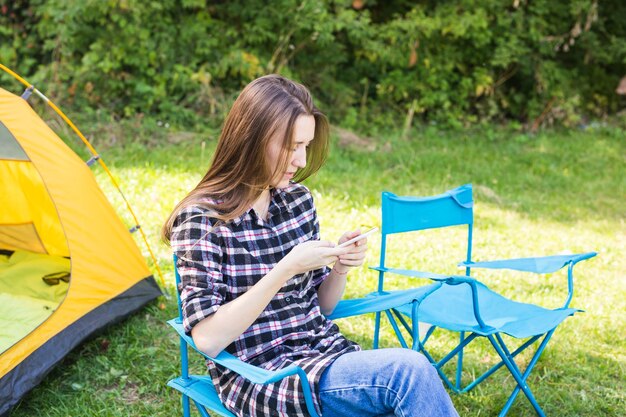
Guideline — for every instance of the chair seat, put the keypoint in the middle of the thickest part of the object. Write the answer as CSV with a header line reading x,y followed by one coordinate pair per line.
x,y
202,390
450,307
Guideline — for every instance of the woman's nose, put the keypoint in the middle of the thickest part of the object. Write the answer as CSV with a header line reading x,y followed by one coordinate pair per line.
x,y
299,159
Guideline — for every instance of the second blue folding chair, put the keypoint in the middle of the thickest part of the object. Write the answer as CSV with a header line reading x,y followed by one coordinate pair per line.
x,y
461,303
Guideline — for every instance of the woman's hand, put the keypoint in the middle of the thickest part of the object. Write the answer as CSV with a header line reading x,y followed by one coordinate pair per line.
x,y
331,290
355,255
311,255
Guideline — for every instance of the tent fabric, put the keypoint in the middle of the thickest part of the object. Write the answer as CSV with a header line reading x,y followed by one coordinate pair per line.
x,y
19,314
23,272
27,202
52,204
23,236
26,300
31,370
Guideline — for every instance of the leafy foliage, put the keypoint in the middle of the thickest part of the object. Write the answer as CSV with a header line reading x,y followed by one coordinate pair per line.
x,y
370,63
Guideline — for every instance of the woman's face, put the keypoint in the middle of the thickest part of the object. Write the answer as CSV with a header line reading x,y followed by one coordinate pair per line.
x,y
303,134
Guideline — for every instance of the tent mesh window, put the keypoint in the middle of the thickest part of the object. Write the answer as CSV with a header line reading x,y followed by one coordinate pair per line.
x,y
9,148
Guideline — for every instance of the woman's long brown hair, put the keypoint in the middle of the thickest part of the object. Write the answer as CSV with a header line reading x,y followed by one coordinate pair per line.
x,y
239,171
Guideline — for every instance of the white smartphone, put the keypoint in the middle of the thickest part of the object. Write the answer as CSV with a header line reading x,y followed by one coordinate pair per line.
x,y
359,237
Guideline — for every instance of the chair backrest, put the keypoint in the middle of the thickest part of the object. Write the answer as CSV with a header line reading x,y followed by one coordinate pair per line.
x,y
407,214
404,214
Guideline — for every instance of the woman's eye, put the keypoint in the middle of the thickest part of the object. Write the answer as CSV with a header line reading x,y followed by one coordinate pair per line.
x,y
299,145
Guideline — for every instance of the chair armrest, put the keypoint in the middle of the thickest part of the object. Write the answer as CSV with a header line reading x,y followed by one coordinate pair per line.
x,y
253,373
539,265
417,274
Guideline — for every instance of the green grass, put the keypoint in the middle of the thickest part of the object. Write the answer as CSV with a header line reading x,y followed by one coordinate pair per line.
x,y
544,194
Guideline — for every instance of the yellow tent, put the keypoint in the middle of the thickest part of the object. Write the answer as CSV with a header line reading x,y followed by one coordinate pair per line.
x,y
68,265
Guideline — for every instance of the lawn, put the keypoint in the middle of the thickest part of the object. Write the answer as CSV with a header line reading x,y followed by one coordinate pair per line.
x,y
555,192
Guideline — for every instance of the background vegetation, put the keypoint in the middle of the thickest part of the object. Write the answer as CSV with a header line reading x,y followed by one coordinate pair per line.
x,y
370,63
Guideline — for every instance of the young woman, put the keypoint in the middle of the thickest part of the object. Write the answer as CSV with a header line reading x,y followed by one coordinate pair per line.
x,y
255,279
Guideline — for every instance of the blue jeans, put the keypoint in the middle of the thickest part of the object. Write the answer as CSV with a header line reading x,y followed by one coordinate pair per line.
x,y
383,382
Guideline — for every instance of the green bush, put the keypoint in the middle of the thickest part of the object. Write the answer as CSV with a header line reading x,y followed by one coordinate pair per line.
x,y
369,63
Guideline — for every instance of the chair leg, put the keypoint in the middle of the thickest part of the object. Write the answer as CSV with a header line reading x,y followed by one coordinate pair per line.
x,y
459,364
497,366
445,359
396,329
402,320
427,334
376,330
528,370
185,401
203,412
521,383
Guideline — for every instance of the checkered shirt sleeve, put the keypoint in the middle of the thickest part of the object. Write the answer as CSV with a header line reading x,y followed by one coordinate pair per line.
x,y
196,243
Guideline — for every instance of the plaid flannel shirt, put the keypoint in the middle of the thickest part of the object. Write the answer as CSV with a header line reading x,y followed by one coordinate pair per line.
x,y
218,264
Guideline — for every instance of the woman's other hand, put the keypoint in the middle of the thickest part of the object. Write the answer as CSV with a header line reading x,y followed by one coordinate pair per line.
x,y
311,255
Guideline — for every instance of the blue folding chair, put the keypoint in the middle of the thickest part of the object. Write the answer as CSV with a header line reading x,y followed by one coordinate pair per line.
x,y
200,388
460,303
